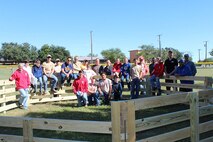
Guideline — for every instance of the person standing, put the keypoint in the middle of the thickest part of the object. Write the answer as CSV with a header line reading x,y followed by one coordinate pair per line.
x,y
38,72
117,88
184,70
190,64
170,66
136,75
125,73
22,81
80,88
48,72
66,72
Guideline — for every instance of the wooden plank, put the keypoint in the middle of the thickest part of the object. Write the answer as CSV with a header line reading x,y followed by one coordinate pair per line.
x,y
72,125
10,138
8,107
170,118
131,131
158,101
52,99
36,139
27,130
196,78
210,139
206,93
8,90
14,138
14,122
7,99
115,116
4,103
194,86
123,120
178,134
6,82
194,116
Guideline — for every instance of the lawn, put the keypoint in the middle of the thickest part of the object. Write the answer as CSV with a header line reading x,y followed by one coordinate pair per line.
x,y
69,110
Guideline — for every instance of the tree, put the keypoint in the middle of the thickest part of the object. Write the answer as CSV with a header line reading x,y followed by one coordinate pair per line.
x,y
112,54
93,55
149,51
211,52
55,51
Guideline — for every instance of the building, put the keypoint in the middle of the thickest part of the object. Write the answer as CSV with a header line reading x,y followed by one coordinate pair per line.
x,y
134,54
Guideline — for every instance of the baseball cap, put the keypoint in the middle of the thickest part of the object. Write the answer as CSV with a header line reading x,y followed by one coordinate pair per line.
x,y
180,61
49,56
186,55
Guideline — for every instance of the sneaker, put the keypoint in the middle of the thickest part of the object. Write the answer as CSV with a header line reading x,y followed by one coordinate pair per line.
x,y
54,90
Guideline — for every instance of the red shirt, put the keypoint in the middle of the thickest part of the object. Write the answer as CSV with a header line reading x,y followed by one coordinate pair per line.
x,y
80,84
158,69
117,67
21,78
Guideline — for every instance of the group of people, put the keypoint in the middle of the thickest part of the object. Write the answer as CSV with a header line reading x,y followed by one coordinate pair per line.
x,y
171,68
98,81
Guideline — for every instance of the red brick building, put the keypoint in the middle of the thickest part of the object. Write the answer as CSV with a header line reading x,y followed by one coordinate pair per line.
x,y
133,54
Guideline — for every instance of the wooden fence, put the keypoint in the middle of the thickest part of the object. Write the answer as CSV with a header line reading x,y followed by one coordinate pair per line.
x,y
123,125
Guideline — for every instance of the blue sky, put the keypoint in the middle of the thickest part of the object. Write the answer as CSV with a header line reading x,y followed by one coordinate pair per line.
x,y
124,24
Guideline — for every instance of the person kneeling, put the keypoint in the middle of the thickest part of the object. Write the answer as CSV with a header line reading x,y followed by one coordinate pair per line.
x,y
80,88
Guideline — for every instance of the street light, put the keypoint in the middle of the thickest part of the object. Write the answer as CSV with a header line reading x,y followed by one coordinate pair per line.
x,y
91,47
205,45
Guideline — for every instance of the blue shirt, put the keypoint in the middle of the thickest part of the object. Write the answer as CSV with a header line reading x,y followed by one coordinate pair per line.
x,y
67,67
191,65
125,69
184,71
37,71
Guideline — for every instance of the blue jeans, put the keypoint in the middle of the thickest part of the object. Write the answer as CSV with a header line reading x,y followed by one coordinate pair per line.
x,y
94,96
155,82
75,75
53,82
63,78
135,87
41,84
24,97
82,98
123,77
106,97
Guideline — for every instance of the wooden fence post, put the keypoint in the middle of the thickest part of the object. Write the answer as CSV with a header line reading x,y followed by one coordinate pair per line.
x,y
194,116
115,118
4,97
27,130
123,121
208,82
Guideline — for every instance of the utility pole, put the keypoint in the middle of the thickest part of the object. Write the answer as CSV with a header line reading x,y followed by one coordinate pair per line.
x,y
199,54
91,47
159,45
205,45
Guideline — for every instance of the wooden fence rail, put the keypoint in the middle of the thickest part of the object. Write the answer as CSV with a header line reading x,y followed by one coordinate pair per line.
x,y
127,118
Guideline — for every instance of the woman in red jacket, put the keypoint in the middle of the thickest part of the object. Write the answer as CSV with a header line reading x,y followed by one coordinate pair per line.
x,y
156,74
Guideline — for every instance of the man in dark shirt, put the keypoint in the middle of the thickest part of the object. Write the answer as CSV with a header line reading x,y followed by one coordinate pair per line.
x,y
170,66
